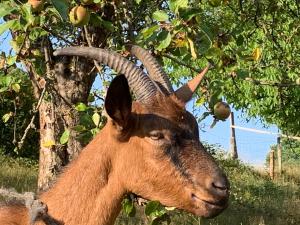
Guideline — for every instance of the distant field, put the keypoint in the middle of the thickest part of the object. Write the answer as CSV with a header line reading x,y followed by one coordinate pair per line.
x,y
255,199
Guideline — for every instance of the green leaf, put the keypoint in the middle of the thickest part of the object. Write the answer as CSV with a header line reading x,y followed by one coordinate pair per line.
x,y
5,26
10,60
147,32
36,33
62,7
96,119
138,1
64,137
5,9
200,101
81,107
160,15
108,25
16,87
151,207
6,117
213,53
165,39
27,15
79,128
175,5
128,207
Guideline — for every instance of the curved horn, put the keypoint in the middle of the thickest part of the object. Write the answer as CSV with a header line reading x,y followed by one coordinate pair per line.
x,y
186,92
154,69
141,85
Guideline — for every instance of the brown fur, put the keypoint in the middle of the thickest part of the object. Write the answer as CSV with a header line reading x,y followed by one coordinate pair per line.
x,y
116,162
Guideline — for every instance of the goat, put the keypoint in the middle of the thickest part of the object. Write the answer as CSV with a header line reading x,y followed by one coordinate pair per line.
x,y
149,147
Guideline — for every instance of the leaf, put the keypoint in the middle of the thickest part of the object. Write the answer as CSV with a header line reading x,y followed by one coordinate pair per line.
x,y
175,5
138,1
256,54
165,39
5,26
128,207
192,48
6,117
16,87
160,15
151,207
27,15
147,32
5,9
48,143
10,60
203,116
81,107
79,128
213,53
62,8
64,137
36,33
170,208
96,119
200,101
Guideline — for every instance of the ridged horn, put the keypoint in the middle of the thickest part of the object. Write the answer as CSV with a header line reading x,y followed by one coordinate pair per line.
x,y
141,85
186,92
154,69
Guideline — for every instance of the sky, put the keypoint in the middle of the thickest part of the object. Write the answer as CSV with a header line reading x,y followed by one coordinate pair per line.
x,y
252,147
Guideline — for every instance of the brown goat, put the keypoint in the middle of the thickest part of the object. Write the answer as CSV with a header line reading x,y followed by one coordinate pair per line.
x,y
149,147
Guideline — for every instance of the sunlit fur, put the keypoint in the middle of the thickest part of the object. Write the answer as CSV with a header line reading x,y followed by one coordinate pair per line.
x,y
172,169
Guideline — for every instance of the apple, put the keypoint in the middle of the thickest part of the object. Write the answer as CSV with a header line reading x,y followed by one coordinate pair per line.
x,y
36,5
79,16
221,110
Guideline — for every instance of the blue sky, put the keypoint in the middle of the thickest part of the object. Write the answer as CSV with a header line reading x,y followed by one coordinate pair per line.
x,y
252,147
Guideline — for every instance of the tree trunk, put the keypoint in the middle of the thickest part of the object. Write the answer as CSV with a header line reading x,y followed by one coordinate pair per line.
x,y
71,82
68,82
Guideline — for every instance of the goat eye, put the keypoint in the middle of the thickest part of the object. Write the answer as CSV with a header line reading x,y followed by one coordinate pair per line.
x,y
156,135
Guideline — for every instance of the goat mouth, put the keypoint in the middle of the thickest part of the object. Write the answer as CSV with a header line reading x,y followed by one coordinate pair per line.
x,y
213,208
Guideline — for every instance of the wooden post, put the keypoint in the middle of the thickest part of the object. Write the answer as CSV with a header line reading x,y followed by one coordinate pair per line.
x,y
279,153
233,148
271,165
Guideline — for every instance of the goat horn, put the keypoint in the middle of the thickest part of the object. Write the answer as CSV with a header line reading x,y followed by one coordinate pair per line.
x,y
141,85
154,69
186,92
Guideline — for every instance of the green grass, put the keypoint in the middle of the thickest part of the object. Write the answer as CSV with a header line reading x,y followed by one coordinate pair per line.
x,y
20,174
255,199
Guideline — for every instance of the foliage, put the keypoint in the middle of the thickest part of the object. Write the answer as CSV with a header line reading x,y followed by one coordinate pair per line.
x,y
16,99
290,153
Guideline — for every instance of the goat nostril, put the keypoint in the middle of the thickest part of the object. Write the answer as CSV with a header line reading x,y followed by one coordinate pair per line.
x,y
219,185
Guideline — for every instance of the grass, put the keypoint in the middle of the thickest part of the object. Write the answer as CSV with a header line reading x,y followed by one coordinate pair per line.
x,y
255,199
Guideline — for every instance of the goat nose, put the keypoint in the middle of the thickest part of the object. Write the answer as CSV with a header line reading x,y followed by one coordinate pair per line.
x,y
220,185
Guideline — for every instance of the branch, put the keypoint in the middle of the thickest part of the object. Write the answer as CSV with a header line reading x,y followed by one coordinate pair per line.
x,y
30,125
88,39
270,83
58,36
185,65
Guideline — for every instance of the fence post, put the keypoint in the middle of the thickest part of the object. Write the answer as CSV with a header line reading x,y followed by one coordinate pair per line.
x,y
279,153
271,164
233,148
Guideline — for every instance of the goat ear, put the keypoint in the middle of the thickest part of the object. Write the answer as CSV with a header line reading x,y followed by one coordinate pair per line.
x,y
118,101
185,93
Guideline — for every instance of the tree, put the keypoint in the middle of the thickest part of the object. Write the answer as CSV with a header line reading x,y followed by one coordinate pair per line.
x,y
251,44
